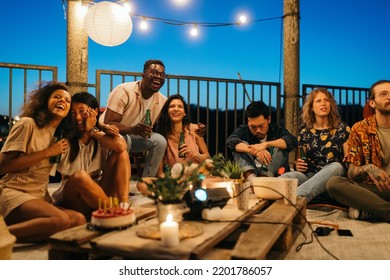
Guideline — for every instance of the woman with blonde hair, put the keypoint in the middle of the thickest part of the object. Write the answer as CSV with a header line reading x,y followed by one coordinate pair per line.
x,y
322,144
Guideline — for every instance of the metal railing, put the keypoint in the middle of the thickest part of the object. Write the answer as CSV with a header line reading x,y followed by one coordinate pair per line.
x,y
16,80
218,103
350,100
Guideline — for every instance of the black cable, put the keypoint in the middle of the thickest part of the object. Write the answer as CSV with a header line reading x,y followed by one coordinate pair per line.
x,y
304,217
202,24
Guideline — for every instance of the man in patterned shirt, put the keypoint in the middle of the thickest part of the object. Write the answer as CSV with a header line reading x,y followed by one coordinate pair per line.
x,y
367,188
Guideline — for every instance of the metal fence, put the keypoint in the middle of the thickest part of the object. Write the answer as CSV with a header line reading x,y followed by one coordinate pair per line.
x,y
219,103
350,100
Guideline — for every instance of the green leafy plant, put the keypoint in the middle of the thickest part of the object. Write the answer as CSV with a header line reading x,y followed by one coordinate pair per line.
x,y
177,180
233,169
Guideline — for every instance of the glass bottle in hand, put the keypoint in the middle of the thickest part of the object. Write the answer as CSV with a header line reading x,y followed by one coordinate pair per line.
x,y
147,121
57,137
181,142
263,166
302,153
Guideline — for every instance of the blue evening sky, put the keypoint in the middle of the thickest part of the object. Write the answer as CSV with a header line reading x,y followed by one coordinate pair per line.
x,y
342,42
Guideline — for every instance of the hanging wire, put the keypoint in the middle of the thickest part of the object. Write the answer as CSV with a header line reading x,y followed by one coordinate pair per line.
x,y
202,24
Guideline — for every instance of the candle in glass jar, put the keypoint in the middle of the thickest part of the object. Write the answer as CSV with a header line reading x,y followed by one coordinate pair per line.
x,y
169,231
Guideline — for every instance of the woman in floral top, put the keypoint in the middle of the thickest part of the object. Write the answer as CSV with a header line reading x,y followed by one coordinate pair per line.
x,y
322,139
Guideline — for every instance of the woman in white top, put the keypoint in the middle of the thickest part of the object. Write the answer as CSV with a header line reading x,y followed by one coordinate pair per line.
x,y
25,202
96,165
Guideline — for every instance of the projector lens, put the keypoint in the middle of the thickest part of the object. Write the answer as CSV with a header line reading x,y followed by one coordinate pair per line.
x,y
201,194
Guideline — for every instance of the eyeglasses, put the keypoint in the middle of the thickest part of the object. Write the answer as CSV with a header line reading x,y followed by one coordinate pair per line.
x,y
383,94
155,73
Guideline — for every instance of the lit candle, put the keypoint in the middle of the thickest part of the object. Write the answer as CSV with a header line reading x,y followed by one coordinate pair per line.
x,y
169,231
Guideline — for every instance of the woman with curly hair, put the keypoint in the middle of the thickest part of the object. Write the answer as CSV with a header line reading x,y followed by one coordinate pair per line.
x,y
175,118
25,202
323,142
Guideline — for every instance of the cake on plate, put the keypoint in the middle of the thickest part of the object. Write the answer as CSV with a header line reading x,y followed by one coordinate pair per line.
x,y
115,217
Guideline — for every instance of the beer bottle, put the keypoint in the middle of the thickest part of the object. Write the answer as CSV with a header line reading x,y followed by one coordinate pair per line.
x,y
147,120
302,153
265,167
181,142
57,137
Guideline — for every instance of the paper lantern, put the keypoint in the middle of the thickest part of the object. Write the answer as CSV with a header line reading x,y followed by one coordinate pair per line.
x,y
108,24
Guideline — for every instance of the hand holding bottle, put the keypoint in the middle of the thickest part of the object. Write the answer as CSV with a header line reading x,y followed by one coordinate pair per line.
x,y
148,123
301,164
57,149
182,146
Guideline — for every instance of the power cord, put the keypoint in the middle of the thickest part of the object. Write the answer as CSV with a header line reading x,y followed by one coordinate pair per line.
x,y
313,235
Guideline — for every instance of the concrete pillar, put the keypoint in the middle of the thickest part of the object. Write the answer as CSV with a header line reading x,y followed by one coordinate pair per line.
x,y
76,49
291,82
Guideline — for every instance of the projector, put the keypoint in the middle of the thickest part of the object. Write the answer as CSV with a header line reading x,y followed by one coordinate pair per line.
x,y
199,199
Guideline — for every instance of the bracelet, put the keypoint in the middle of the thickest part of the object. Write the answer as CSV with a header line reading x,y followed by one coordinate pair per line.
x,y
93,130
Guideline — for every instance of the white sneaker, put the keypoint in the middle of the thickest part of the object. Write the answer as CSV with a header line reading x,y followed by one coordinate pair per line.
x,y
361,215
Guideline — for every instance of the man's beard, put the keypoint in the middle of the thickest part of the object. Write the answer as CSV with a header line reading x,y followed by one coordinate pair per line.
x,y
383,111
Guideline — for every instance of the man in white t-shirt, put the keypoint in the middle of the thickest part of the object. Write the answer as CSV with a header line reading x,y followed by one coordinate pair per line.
x,y
126,108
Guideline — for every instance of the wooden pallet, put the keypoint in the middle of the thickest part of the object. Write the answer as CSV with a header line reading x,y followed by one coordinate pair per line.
x,y
268,235
265,231
74,243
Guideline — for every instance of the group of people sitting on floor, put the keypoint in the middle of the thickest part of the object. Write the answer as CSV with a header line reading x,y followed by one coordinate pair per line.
x,y
351,166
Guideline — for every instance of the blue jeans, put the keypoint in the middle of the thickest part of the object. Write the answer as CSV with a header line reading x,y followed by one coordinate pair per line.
x,y
154,146
247,162
312,184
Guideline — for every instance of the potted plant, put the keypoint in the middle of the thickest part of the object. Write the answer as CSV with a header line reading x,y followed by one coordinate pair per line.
x,y
168,191
240,191
233,170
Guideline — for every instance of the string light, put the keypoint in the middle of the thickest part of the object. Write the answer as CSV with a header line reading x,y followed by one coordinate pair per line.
x,y
127,7
242,19
194,30
143,25
194,26
180,2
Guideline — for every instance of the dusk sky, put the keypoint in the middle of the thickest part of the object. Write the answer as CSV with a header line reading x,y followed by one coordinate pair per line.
x,y
342,42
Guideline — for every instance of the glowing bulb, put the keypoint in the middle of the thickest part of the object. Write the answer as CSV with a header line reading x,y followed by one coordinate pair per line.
x,y
180,2
143,25
242,19
194,31
127,7
82,11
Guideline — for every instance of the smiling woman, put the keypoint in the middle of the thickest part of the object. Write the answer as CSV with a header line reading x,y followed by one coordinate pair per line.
x,y
25,202
183,142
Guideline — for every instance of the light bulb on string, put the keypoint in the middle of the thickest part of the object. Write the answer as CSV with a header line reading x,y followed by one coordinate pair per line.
x,y
143,24
242,19
127,7
82,10
194,31
180,3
